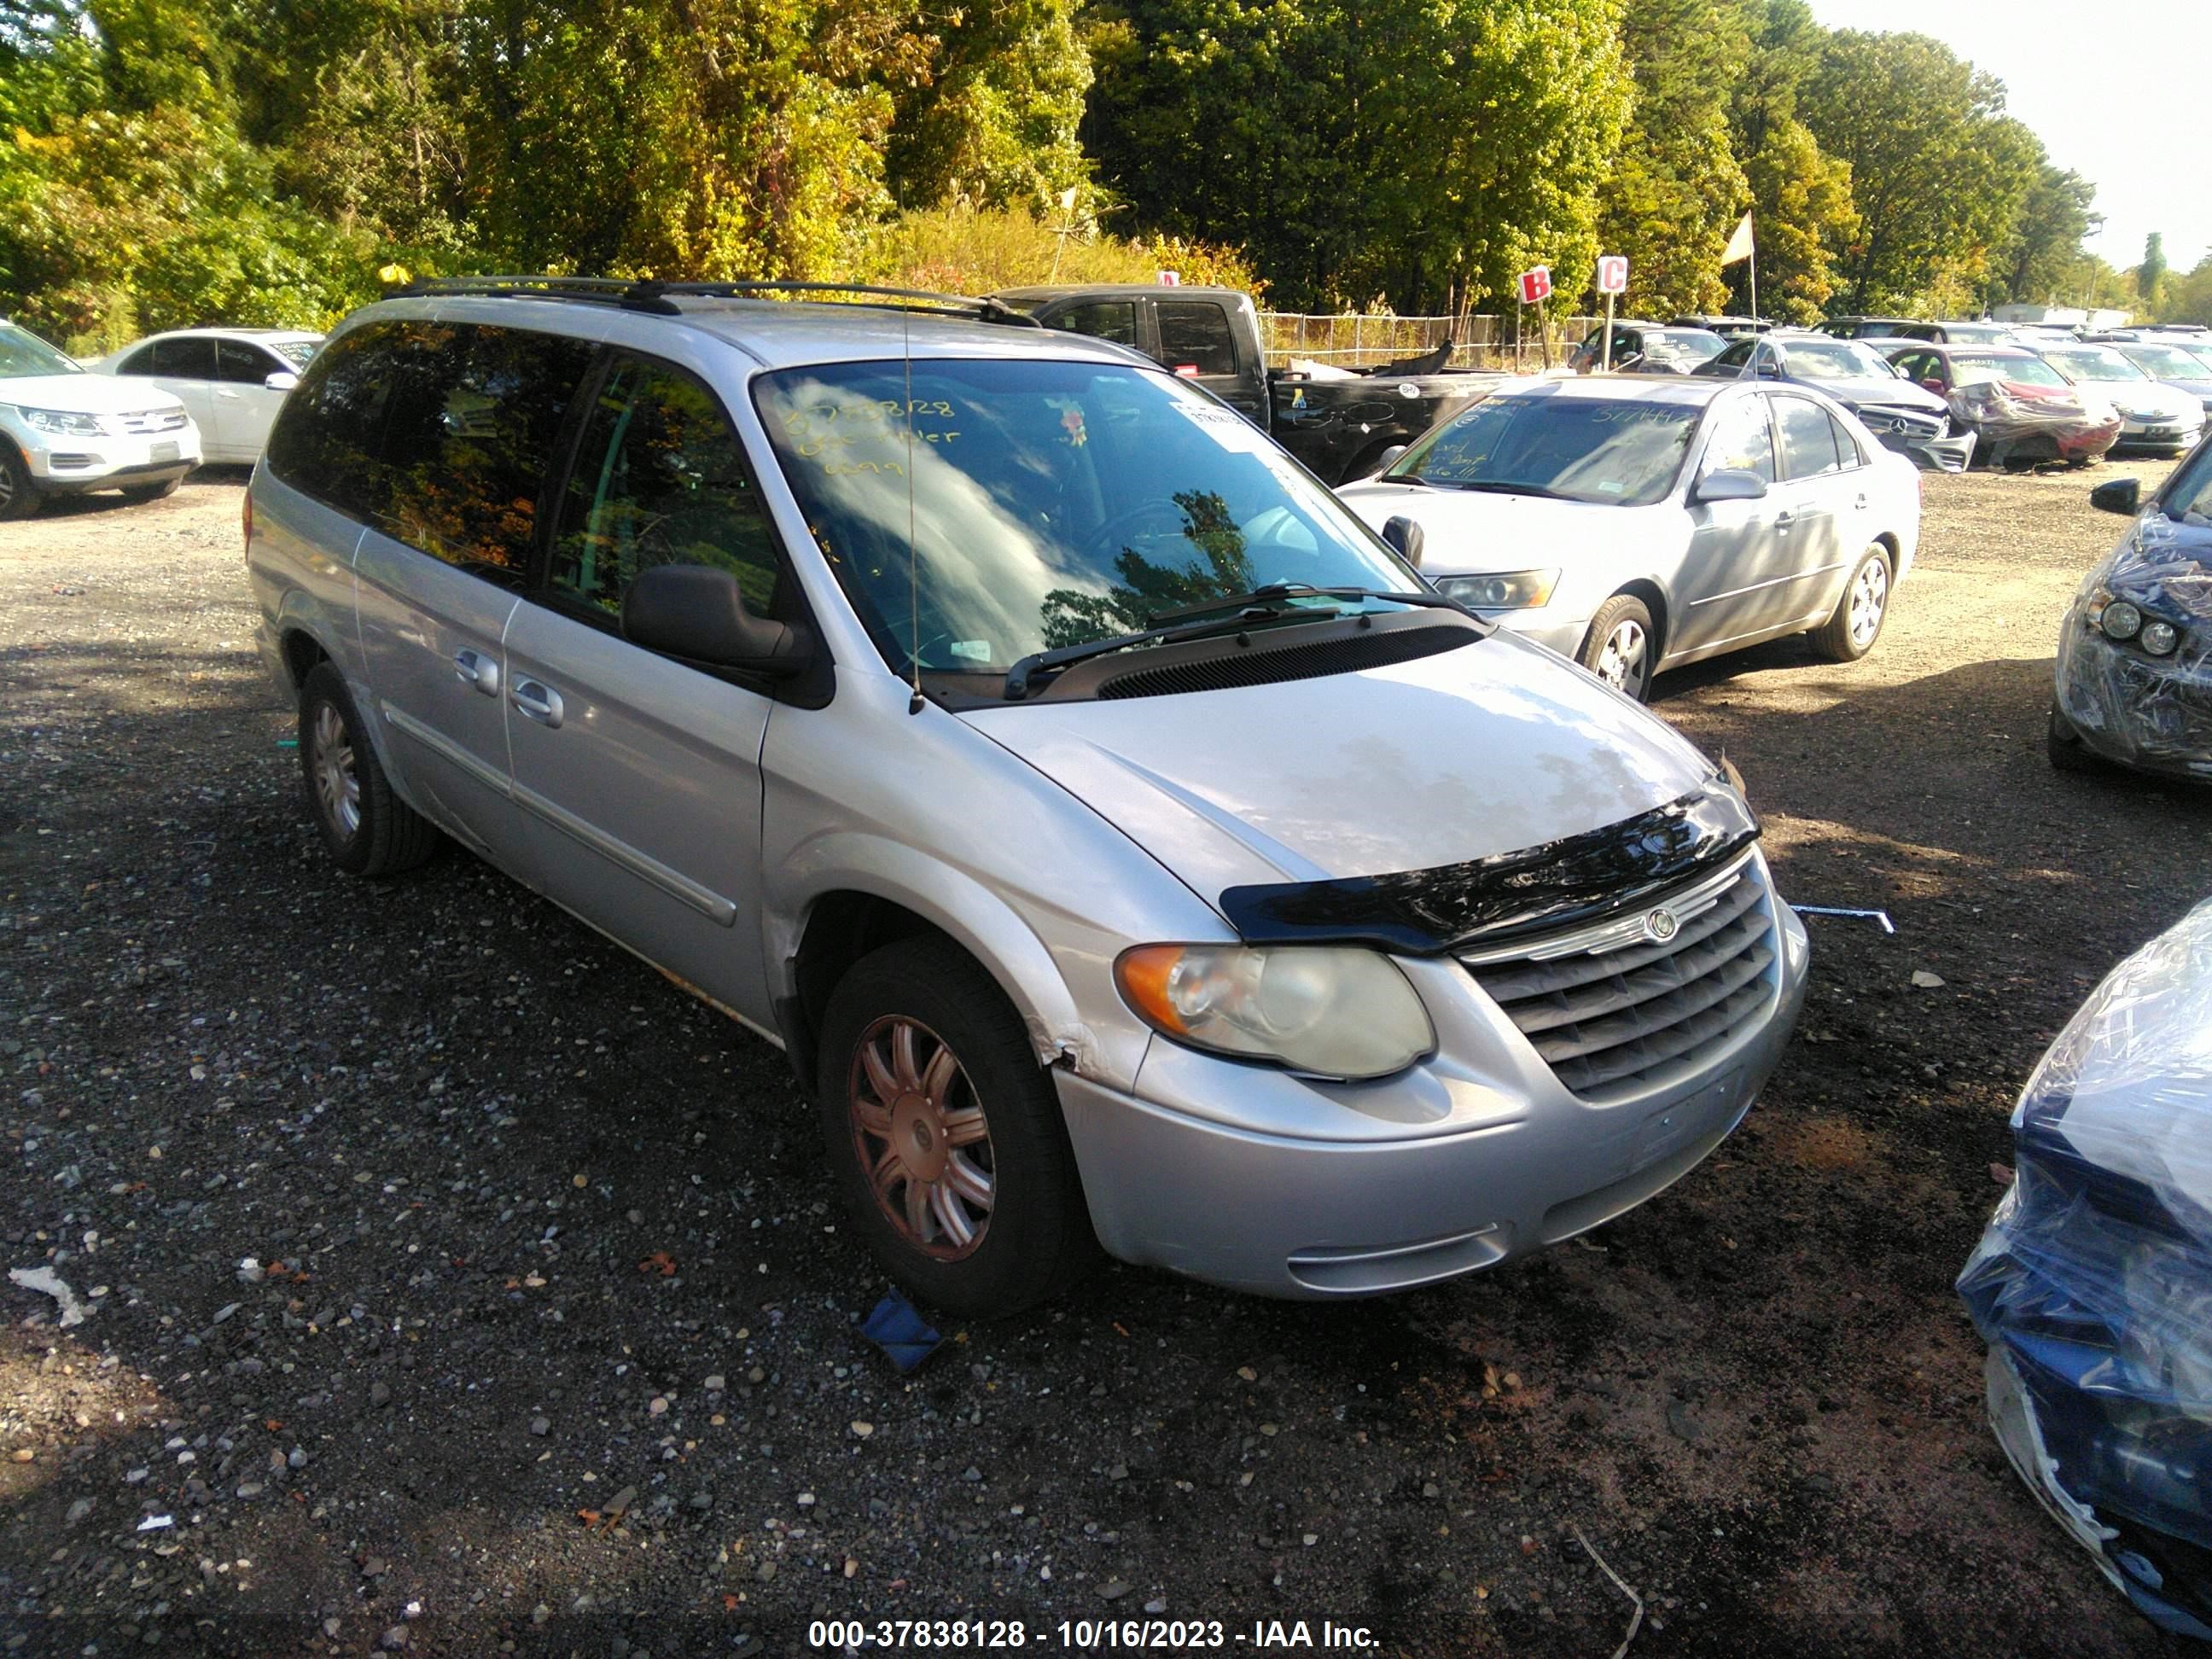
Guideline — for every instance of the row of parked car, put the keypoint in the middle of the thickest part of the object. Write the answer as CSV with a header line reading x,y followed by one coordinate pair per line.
x,y
141,419
1950,393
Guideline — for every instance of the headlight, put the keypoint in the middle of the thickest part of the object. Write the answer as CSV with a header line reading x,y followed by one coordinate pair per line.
x,y
62,423
2121,621
2159,638
1514,590
1330,1011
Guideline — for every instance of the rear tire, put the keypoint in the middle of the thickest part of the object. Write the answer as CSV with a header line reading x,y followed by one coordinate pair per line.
x,y
19,496
1860,613
945,1135
1622,646
158,492
367,829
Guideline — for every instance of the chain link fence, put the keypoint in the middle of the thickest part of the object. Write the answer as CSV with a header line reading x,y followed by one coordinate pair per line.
x,y
1478,341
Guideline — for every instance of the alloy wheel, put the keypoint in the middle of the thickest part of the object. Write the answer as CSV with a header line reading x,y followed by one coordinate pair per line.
x,y
1622,664
1869,598
338,784
923,1138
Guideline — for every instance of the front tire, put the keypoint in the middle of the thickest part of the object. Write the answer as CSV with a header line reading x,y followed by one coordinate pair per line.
x,y
1851,632
19,496
1621,647
367,829
2064,745
945,1135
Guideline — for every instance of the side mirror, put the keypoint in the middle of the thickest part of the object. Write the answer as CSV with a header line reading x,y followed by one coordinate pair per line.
x,y
1388,459
1730,483
1406,536
2121,496
283,380
697,612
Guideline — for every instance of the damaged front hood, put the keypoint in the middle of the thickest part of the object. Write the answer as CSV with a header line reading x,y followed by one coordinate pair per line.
x,y
1491,748
2162,565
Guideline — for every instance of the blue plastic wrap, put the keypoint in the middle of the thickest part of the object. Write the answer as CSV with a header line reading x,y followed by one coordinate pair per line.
x,y
2092,1283
2128,705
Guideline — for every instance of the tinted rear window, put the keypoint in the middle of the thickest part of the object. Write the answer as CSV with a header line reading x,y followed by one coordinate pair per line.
x,y
437,433
1195,337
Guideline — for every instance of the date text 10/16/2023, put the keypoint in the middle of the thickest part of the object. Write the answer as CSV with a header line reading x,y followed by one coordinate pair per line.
x,y
1084,1635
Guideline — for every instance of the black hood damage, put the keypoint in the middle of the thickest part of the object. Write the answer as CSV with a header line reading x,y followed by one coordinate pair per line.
x,y
1496,899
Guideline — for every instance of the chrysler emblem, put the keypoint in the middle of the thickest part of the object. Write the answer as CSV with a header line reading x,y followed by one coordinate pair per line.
x,y
1661,926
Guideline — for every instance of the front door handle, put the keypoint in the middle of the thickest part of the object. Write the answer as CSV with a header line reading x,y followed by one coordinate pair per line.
x,y
1783,520
474,668
537,701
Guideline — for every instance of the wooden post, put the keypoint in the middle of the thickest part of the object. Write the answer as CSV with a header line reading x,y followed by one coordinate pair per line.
x,y
1607,361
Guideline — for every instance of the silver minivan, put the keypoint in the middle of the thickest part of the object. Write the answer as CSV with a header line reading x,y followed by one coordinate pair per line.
x,y
1126,847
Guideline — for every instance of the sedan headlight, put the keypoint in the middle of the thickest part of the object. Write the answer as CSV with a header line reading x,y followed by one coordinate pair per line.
x,y
1325,1009
62,422
2160,638
1512,590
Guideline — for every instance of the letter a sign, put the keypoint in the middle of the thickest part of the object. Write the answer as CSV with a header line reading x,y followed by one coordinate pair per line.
x,y
1535,285
1611,273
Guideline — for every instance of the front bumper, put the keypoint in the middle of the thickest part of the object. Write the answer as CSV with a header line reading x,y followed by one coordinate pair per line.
x,y
2150,712
74,465
1474,1156
2166,435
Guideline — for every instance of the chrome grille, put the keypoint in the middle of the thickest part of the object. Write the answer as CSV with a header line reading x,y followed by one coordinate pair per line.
x,y
1916,424
1617,1013
151,420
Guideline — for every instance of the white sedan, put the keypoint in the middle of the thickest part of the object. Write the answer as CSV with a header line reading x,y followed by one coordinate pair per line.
x,y
1635,524
232,379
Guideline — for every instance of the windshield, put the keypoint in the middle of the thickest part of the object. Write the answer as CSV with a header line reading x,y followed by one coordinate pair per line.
x,y
1691,347
1050,503
2167,362
23,354
295,352
2089,362
1834,359
1972,368
1605,452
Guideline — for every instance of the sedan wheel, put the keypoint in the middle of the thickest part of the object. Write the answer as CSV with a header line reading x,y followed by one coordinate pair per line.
x,y
1870,600
1621,647
919,1132
1854,626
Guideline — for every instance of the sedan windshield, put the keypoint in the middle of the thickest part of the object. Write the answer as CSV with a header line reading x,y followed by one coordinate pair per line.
x,y
978,512
1834,359
23,354
1972,368
2165,362
1605,452
2093,362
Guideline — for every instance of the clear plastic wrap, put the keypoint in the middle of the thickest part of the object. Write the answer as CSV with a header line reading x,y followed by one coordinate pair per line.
x,y
2143,708
2020,422
2092,1283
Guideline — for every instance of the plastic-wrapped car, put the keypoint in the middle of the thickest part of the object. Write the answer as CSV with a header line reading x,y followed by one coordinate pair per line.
x,y
2020,409
2092,1283
2135,651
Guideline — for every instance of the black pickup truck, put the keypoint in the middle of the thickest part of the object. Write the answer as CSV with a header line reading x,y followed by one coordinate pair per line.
x,y
1340,426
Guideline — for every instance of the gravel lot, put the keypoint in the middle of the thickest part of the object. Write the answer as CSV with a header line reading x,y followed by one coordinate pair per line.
x,y
551,1345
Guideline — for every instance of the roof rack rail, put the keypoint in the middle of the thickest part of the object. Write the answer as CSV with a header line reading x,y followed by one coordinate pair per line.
x,y
648,294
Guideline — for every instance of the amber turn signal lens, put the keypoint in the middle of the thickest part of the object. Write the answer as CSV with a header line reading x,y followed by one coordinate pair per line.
x,y
1143,975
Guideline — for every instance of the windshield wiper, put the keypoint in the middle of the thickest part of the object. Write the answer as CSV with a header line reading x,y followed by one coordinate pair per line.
x,y
1037,662
1494,487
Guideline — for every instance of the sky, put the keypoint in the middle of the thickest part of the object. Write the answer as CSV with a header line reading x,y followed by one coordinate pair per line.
x,y
2104,102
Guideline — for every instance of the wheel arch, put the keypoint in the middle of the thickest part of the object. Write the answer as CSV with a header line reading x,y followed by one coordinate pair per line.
x,y
891,892
1654,601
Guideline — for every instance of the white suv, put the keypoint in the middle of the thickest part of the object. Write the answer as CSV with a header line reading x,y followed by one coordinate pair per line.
x,y
64,431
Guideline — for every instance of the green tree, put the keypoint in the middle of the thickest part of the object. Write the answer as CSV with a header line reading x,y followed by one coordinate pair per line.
x,y
2044,255
1939,172
1416,151
1677,188
994,117
1801,197
2150,274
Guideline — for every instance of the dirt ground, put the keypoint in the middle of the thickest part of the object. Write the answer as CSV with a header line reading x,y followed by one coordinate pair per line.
x,y
552,1343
